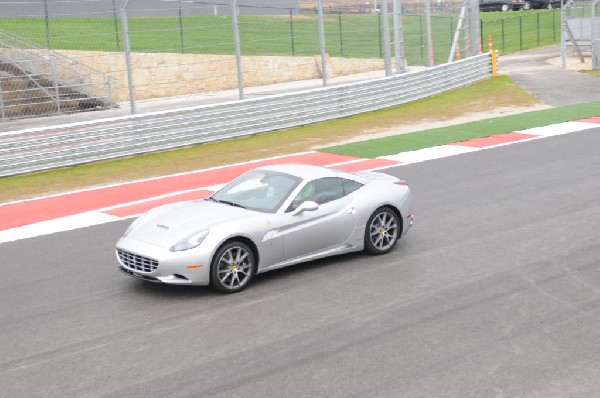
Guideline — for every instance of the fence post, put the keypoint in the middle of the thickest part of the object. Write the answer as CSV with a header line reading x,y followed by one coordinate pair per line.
x,y
238,50
421,36
563,42
553,26
128,57
109,84
116,26
520,33
480,36
2,114
379,34
180,27
538,29
55,81
503,49
341,34
430,58
292,32
386,38
47,24
398,37
322,41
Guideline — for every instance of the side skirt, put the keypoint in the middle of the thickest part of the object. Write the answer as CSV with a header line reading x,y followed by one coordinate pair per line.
x,y
331,251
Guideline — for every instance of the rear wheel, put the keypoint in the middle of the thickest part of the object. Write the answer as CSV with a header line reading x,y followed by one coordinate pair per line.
x,y
382,232
232,268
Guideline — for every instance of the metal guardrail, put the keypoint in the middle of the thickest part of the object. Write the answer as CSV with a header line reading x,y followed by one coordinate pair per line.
x,y
53,83
40,149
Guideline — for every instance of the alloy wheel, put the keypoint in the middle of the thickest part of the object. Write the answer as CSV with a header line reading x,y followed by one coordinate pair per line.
x,y
234,267
383,231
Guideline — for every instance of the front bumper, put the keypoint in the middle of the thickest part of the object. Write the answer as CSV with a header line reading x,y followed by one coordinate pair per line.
x,y
189,267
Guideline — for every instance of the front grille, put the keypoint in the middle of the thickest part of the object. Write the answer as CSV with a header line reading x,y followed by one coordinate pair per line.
x,y
136,262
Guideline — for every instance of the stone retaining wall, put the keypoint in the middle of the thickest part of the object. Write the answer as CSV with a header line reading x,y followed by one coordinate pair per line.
x,y
159,75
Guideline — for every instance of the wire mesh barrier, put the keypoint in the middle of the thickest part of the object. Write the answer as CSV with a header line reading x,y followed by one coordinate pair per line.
x,y
35,81
159,48
582,24
40,149
522,32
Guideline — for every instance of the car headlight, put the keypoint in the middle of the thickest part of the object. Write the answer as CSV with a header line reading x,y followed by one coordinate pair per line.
x,y
133,225
191,242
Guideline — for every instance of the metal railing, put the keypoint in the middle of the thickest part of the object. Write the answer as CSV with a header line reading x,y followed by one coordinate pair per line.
x,y
41,149
37,81
581,27
583,23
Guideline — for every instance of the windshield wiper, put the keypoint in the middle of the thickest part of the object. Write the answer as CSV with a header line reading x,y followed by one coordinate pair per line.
x,y
227,202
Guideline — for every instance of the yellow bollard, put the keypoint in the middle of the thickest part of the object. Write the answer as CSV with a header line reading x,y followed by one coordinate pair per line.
x,y
494,55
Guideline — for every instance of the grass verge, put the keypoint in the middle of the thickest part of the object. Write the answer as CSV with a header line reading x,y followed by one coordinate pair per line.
x,y
486,95
424,139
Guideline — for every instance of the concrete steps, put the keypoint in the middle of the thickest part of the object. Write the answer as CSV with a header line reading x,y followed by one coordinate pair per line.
x,y
23,95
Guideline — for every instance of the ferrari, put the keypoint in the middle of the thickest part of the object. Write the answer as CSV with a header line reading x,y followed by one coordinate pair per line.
x,y
267,218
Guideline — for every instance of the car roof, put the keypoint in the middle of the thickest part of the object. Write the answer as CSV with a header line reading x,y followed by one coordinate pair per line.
x,y
309,172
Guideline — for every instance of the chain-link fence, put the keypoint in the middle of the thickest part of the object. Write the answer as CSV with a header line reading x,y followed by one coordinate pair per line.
x,y
526,31
164,48
582,24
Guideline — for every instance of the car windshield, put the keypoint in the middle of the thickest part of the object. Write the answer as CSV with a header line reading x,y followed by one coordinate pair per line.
x,y
260,190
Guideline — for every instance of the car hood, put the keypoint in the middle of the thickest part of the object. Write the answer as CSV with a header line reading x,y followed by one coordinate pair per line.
x,y
170,224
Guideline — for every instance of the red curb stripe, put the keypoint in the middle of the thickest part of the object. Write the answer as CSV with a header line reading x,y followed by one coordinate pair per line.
x,y
595,119
494,140
366,164
127,211
37,210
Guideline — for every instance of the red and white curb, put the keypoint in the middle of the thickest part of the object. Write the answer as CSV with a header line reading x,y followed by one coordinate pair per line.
x,y
95,206
494,141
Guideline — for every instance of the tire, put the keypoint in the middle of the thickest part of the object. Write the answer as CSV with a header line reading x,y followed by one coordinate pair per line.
x,y
382,231
232,268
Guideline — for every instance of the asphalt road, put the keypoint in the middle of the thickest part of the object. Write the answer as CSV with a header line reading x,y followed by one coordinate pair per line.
x,y
495,292
551,83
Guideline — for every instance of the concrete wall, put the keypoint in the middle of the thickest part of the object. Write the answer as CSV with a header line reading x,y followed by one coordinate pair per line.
x,y
159,75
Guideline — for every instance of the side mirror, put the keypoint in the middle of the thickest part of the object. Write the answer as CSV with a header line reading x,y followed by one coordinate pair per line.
x,y
308,205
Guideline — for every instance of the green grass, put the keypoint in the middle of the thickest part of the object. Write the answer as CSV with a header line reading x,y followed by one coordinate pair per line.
x,y
353,36
424,139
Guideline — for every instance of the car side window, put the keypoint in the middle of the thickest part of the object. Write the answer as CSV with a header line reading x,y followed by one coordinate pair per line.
x,y
328,189
350,186
322,191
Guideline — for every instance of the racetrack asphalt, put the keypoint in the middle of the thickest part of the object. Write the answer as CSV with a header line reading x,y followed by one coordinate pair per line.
x,y
493,293
540,71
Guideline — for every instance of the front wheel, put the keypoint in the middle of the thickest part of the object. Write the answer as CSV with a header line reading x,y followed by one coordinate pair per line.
x,y
382,232
232,268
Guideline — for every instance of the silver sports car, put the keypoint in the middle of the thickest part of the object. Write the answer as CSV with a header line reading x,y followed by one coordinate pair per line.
x,y
268,218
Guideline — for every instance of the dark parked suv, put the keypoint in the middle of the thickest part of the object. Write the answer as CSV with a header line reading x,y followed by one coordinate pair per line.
x,y
504,5
549,4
